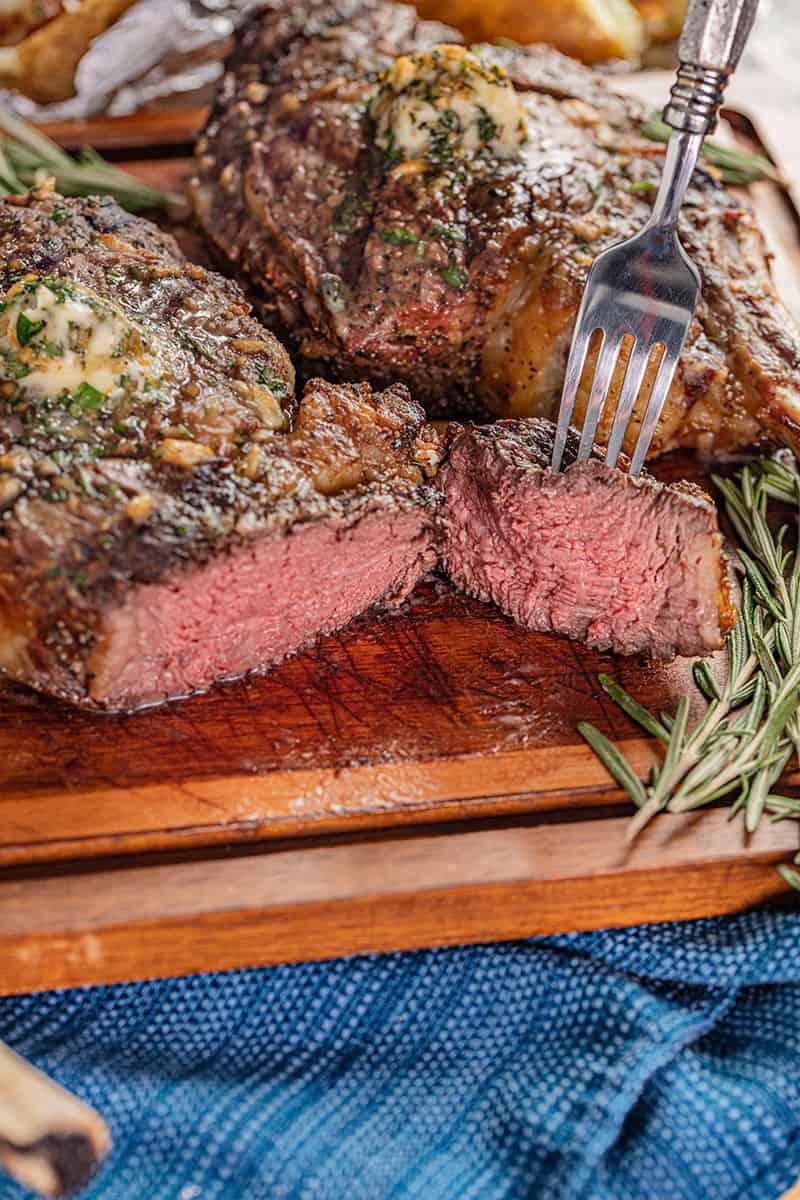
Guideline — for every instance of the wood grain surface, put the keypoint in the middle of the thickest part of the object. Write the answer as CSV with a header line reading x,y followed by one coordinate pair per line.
x,y
415,780
117,921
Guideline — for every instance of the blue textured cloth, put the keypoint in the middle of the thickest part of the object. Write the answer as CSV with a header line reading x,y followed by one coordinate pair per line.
x,y
658,1063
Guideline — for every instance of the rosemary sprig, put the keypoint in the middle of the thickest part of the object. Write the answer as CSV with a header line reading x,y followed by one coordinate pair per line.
x,y
27,157
749,729
736,166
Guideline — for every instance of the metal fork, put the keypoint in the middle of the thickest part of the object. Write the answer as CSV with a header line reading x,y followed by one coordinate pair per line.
x,y
647,287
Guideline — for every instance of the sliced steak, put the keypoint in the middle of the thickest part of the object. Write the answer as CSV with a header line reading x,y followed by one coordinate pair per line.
x,y
462,277
630,565
160,527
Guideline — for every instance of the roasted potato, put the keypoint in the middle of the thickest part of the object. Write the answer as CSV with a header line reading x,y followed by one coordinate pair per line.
x,y
18,18
591,30
663,19
44,63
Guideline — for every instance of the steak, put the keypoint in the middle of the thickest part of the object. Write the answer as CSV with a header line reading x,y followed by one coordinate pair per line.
x,y
161,525
462,277
623,564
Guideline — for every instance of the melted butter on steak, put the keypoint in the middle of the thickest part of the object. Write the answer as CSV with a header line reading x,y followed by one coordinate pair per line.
x,y
446,103
114,349
65,345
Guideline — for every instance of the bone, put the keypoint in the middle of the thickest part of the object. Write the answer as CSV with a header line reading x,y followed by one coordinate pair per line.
x,y
50,1141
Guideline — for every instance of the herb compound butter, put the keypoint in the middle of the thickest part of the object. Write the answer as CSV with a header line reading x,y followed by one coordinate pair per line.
x,y
446,104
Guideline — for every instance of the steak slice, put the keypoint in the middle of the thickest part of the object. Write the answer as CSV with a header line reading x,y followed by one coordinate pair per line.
x,y
630,565
160,527
463,278
234,566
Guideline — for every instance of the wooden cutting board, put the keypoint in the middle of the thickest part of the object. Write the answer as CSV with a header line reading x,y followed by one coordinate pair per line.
x,y
413,781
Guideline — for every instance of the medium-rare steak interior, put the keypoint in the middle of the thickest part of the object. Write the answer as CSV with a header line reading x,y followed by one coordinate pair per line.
x,y
400,224
160,527
622,564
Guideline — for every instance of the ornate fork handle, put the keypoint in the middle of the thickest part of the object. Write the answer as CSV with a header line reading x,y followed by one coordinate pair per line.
x,y
713,38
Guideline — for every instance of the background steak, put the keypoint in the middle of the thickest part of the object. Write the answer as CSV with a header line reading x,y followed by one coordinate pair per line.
x,y
359,259
164,535
622,564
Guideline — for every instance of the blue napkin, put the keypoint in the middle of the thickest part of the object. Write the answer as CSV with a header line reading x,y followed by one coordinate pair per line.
x,y
658,1063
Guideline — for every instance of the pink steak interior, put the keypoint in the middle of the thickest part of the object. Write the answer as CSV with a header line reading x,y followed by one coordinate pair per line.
x,y
253,606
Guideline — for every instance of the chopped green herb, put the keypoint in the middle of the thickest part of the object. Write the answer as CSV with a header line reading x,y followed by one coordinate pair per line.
x,y
391,151
441,150
399,237
27,329
487,128
191,343
88,398
59,215
273,381
12,367
450,233
453,276
643,185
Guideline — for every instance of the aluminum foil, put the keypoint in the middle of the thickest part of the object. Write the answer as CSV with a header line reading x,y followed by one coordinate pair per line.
x,y
159,52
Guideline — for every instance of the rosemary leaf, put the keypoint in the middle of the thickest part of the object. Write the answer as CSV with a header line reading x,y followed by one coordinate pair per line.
x,y
760,584
27,156
749,720
47,153
614,762
744,693
767,662
783,807
705,680
641,715
760,787
791,876
704,772
736,166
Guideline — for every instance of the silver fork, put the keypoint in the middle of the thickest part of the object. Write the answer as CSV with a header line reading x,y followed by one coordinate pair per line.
x,y
647,287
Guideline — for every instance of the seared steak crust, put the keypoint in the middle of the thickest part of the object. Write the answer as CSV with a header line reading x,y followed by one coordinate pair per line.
x,y
629,565
465,283
103,507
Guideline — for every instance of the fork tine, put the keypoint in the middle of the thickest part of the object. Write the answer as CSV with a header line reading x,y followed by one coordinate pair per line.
x,y
577,357
658,396
601,384
634,378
